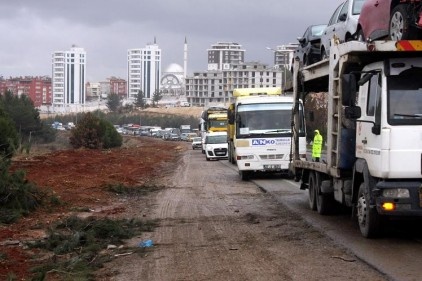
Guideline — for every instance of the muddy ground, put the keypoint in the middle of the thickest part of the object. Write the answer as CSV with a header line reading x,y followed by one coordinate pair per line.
x,y
211,225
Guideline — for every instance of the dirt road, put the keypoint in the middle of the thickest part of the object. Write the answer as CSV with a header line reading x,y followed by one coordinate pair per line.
x,y
212,226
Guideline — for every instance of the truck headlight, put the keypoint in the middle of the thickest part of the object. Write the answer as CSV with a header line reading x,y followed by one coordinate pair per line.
x,y
396,193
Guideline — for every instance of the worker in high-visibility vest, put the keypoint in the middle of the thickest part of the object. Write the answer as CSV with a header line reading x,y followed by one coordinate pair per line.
x,y
317,146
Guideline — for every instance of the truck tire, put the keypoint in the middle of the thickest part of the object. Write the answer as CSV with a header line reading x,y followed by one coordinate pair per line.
x,y
244,175
324,202
368,218
312,188
231,154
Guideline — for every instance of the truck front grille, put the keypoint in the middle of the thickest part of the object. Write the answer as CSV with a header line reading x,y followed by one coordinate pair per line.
x,y
271,156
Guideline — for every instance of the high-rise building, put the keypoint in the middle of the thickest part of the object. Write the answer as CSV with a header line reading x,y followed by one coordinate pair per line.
x,y
283,55
144,71
223,54
68,79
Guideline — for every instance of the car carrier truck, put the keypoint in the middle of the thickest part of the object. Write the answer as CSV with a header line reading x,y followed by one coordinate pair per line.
x,y
259,131
373,160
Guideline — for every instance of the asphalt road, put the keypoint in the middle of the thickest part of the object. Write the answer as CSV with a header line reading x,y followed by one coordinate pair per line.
x,y
398,253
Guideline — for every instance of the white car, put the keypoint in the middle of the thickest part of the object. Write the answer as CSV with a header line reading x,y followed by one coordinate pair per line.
x,y
196,143
216,146
343,25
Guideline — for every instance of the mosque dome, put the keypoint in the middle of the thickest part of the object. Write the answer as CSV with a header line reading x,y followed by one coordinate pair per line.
x,y
174,68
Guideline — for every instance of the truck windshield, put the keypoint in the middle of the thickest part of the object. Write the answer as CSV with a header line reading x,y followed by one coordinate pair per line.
x,y
218,124
264,119
216,139
405,98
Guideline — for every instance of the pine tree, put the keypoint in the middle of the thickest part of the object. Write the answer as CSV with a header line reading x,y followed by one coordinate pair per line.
x,y
140,101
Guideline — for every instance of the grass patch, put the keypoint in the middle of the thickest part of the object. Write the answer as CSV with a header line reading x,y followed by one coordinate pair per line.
x,y
78,246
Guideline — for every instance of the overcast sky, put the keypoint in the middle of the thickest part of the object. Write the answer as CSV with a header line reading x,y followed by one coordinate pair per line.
x,y
33,29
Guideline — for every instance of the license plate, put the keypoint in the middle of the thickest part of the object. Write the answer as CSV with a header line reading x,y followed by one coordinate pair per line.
x,y
272,167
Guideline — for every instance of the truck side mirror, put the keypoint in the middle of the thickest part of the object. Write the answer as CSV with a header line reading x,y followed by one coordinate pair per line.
x,y
348,89
365,78
352,112
376,129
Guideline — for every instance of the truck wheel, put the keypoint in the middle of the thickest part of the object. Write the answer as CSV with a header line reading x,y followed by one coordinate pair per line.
x,y
312,191
206,157
324,202
231,154
233,159
368,218
244,175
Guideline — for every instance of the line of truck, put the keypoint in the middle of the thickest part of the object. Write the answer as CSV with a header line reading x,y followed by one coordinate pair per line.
x,y
374,132
258,130
372,160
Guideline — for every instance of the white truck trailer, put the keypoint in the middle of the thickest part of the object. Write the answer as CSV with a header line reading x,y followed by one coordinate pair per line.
x,y
373,158
259,131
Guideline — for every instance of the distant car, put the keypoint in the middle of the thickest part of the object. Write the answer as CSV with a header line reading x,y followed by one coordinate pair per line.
x,y
342,25
184,136
184,104
309,49
395,20
174,137
196,143
190,136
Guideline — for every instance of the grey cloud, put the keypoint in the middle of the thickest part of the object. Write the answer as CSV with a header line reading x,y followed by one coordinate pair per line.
x,y
107,28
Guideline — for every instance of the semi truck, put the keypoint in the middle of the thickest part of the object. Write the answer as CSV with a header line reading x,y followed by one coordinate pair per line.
x,y
372,163
185,129
259,131
214,119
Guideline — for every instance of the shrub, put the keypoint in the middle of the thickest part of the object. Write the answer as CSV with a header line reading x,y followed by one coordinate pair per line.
x,y
93,132
8,137
17,196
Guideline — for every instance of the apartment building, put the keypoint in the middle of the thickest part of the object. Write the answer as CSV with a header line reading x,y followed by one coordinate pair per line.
x,y
223,54
216,87
68,79
38,89
144,71
112,85
284,54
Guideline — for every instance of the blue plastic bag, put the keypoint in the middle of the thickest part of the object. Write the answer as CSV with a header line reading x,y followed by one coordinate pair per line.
x,y
146,243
